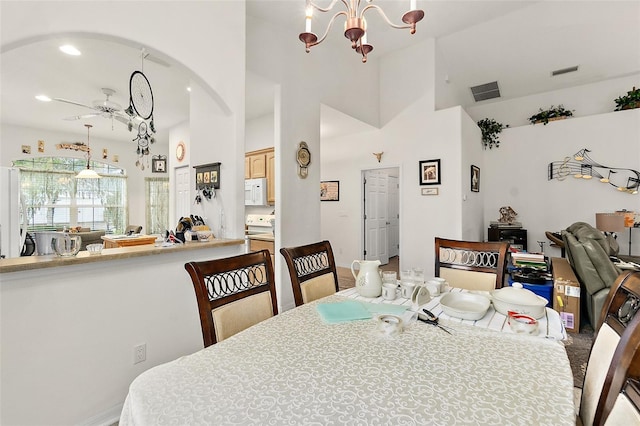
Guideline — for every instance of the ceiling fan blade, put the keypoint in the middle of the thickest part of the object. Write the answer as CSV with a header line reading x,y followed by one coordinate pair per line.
x,y
72,102
80,117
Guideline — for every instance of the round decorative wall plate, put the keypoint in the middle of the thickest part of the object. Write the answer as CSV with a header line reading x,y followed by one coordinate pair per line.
x,y
180,151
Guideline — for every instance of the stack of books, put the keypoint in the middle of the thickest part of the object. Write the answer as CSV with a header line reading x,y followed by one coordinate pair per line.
x,y
529,260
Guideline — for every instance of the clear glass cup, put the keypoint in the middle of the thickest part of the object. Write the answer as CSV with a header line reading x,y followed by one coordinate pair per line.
x,y
418,276
389,277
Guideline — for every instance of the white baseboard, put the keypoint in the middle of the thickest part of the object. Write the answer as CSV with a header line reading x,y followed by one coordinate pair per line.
x,y
106,418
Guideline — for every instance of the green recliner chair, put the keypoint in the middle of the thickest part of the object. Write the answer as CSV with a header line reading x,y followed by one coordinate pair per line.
x,y
588,253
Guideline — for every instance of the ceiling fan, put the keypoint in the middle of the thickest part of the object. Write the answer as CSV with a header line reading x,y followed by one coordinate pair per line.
x,y
104,108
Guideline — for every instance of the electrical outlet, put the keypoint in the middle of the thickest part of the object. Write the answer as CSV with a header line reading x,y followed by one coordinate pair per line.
x,y
140,353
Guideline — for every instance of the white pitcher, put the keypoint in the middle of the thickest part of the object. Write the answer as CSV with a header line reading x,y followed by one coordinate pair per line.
x,y
368,281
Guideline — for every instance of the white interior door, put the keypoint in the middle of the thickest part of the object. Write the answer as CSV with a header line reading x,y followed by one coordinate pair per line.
x,y
375,216
182,191
393,216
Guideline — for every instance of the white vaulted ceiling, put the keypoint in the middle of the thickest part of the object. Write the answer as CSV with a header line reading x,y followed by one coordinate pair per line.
x,y
517,43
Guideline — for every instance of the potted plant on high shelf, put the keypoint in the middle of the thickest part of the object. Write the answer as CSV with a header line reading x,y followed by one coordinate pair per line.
x,y
490,129
552,114
629,101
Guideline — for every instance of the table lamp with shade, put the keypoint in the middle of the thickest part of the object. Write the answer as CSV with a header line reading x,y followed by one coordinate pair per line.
x,y
610,223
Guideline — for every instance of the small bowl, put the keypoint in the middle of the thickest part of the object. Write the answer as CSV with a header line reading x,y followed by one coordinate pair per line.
x,y
520,323
94,248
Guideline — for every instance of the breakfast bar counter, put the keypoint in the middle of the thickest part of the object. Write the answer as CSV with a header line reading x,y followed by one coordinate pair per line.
x,y
69,327
26,263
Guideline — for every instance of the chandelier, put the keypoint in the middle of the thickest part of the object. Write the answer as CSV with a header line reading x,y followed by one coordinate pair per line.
x,y
88,173
356,24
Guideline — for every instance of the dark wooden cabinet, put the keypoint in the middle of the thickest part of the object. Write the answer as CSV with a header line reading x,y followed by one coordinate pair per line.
x,y
514,236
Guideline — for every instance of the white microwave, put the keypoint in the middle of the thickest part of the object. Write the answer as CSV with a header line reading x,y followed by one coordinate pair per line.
x,y
255,192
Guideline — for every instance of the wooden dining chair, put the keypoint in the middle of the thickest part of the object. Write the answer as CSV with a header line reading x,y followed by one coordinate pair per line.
x,y
312,269
626,410
233,293
615,353
471,265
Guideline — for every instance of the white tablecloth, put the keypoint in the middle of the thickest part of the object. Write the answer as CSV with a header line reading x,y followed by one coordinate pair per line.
x,y
549,326
296,369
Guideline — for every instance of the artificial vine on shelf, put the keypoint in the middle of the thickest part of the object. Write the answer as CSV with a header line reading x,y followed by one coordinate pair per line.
x,y
490,130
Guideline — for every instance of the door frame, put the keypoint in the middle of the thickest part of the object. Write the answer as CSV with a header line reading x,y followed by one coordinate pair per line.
x,y
362,195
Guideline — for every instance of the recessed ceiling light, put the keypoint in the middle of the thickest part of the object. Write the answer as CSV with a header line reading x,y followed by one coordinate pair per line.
x,y
188,89
70,50
43,98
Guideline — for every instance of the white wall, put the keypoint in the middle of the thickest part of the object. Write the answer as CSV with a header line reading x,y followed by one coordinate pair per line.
x,y
588,99
516,174
210,42
303,81
259,133
13,137
472,211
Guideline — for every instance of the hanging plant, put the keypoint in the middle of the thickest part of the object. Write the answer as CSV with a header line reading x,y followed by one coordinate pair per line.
x,y
490,129
629,101
553,113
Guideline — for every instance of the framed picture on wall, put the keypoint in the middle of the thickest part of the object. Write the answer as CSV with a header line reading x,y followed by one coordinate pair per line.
x,y
159,164
330,190
475,178
430,172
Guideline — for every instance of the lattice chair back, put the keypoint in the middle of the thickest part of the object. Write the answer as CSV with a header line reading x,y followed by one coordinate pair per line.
x,y
615,354
233,293
312,270
471,265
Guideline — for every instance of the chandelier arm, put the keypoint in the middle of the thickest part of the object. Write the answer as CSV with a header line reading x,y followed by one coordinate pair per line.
x,y
384,16
328,8
333,18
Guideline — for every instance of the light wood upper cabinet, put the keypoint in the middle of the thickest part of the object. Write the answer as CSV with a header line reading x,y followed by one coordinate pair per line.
x,y
257,166
271,177
247,168
262,164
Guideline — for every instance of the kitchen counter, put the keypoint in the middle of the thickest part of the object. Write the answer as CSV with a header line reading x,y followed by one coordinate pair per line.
x,y
262,237
27,263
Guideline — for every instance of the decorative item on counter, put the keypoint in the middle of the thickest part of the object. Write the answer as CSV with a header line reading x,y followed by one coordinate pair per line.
x,y
629,101
490,129
368,281
544,116
95,249
581,166
66,245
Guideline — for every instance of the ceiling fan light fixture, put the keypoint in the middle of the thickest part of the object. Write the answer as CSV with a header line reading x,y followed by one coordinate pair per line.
x,y
43,98
70,50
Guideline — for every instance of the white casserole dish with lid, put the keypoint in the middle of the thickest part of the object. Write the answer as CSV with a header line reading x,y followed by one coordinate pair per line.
x,y
520,300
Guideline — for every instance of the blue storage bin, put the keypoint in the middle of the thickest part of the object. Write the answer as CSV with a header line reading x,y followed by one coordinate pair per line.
x,y
545,290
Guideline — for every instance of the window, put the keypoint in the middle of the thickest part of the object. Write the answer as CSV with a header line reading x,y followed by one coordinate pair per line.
x,y
54,199
157,202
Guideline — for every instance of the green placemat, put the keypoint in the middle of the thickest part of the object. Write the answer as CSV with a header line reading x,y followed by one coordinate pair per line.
x,y
348,310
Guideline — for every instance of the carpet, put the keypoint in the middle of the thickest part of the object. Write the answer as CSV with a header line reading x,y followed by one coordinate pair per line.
x,y
578,346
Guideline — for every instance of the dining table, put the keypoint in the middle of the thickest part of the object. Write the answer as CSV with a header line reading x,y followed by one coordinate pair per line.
x,y
336,361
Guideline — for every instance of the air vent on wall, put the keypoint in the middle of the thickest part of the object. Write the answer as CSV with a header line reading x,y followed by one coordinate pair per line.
x,y
564,70
486,91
